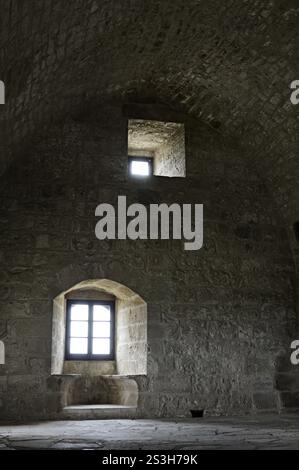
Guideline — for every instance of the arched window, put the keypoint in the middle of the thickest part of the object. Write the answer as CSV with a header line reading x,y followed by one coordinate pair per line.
x,y
99,328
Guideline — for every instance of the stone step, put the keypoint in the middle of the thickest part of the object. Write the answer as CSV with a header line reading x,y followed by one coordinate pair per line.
x,y
99,412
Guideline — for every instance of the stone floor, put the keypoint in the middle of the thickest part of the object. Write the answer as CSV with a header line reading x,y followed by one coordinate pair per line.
x,y
263,432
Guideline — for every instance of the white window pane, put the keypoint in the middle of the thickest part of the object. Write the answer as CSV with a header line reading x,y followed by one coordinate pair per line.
x,y
101,329
78,346
140,168
101,346
101,313
79,329
79,312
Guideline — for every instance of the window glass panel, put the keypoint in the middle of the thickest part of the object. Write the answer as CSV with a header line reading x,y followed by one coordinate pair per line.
x,y
140,168
101,313
100,346
78,346
79,341
79,312
101,329
79,329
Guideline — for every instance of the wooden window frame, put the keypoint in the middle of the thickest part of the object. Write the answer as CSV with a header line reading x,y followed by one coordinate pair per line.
x,y
89,356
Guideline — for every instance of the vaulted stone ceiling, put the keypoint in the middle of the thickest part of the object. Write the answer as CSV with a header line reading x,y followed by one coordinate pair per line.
x,y
229,63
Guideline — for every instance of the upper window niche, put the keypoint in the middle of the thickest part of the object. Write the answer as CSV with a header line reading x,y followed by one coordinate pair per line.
x,y
156,148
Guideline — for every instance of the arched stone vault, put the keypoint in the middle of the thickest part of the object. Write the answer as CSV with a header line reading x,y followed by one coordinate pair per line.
x,y
228,63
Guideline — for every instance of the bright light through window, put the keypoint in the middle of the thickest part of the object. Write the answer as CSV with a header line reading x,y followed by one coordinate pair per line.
x,y
140,167
90,330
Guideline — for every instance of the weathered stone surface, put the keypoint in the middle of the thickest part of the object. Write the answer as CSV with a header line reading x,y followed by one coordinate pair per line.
x,y
264,432
218,318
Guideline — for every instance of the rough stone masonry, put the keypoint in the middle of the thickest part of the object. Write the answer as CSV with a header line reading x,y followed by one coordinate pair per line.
x,y
220,320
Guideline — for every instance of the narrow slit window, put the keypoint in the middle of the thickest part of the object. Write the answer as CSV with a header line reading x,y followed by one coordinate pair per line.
x,y
90,327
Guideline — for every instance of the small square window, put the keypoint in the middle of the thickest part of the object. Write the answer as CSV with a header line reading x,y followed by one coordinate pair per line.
x,y
140,166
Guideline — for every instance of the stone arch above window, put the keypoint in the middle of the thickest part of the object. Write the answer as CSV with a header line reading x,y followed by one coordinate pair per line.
x,y
130,330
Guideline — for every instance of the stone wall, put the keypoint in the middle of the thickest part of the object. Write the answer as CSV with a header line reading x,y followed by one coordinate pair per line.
x,y
170,158
217,317
131,338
